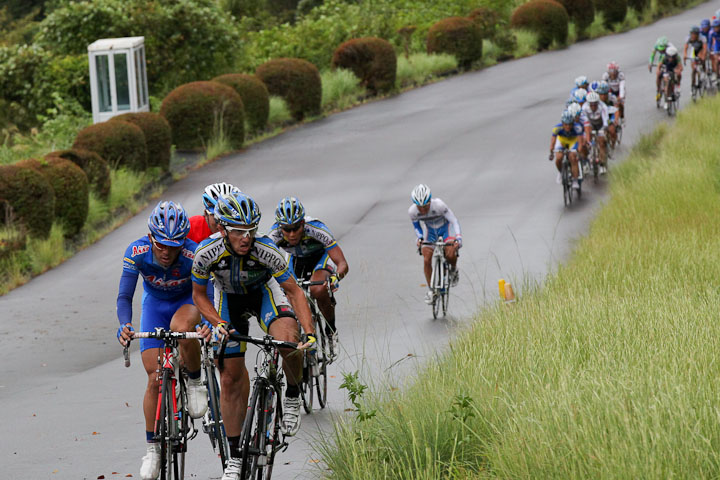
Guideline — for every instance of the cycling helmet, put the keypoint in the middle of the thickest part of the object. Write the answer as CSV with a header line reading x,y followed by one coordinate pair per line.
x,y
593,97
661,43
212,192
289,211
671,51
603,88
580,81
168,224
593,86
574,108
715,23
567,118
236,209
580,95
421,195
705,23
694,29
613,66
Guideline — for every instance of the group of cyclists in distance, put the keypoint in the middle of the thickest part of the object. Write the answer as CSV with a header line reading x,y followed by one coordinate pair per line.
x,y
209,273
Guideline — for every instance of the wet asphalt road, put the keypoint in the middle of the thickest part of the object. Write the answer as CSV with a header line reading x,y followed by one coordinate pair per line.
x,y
479,140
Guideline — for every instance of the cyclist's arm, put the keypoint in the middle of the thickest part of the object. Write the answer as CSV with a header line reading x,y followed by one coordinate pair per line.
x,y
299,304
621,90
338,257
203,303
685,51
128,282
450,217
605,117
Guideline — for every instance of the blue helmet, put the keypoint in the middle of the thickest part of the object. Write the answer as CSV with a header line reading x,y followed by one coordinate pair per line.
x,y
289,211
705,23
236,209
594,85
168,224
603,88
215,190
567,117
715,23
580,95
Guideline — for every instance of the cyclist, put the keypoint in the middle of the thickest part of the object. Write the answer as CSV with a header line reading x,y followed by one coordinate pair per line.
x,y
581,82
565,136
698,49
615,79
672,63
315,255
661,45
202,226
705,28
255,279
431,218
164,258
609,99
597,114
714,44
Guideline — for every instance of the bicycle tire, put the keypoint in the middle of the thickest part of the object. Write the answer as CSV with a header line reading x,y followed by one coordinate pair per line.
x,y
435,288
165,430
566,183
306,385
183,427
321,357
248,437
217,435
446,293
275,444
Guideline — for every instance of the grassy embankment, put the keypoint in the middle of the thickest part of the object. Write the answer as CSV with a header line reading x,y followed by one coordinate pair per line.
x,y
610,370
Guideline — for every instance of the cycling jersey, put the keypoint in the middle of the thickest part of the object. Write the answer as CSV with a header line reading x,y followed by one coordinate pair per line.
x,y
659,55
567,139
310,254
599,117
617,86
436,221
671,63
697,45
199,229
714,41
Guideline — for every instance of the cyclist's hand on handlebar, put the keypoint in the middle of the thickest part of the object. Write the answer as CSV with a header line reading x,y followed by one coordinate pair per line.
x,y
458,240
125,334
222,329
309,344
550,158
650,68
204,328
334,282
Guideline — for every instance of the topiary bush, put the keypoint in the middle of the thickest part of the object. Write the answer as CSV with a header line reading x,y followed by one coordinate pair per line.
x,y
71,190
547,18
614,11
255,97
121,144
582,13
295,80
493,26
158,137
638,5
28,197
371,59
95,167
457,36
198,111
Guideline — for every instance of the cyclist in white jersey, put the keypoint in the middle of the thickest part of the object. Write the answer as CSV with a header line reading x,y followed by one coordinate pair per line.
x,y
432,219
597,114
616,81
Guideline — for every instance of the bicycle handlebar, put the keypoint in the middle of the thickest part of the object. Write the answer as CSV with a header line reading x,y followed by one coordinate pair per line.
x,y
266,341
159,334
308,283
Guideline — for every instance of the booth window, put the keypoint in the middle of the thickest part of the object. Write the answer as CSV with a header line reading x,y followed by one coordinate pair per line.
x,y
122,81
103,83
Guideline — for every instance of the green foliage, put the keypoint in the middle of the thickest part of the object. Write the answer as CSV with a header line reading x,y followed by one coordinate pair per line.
x,y
158,137
614,11
420,67
26,197
193,111
70,185
371,59
356,391
547,18
96,169
341,89
255,97
638,5
582,13
119,143
297,81
279,111
457,36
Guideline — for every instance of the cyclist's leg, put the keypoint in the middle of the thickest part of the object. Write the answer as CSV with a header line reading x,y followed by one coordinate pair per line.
x,y
150,363
185,319
602,144
324,268
278,319
431,236
574,162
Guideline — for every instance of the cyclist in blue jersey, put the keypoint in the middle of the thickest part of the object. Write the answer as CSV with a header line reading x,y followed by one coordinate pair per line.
x,y
256,280
705,28
565,136
714,44
315,255
581,82
432,219
164,258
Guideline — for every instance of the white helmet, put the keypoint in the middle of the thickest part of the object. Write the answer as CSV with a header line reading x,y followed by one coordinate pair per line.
x,y
214,191
421,195
593,97
671,51
580,81
574,108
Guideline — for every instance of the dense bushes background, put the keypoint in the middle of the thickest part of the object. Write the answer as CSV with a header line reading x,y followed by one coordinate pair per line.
x,y
614,11
95,167
121,144
371,59
581,12
254,95
297,81
457,36
158,137
26,197
547,18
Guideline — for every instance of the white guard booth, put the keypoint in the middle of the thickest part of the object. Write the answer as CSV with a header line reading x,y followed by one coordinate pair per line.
x,y
118,81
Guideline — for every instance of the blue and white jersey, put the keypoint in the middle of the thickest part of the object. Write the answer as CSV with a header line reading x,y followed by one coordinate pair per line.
x,y
439,217
317,238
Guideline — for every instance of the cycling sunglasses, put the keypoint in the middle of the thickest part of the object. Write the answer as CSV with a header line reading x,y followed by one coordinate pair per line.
x,y
242,232
292,228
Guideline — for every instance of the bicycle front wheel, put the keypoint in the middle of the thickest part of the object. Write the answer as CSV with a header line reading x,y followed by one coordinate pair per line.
x,y
213,418
322,361
166,428
306,386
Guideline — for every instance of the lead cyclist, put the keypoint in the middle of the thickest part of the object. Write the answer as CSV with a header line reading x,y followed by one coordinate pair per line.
x,y
432,219
615,79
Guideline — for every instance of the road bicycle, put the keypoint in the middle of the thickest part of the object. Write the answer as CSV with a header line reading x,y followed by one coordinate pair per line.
x,y
261,436
618,129
440,278
699,78
566,178
669,95
595,155
213,424
173,425
315,363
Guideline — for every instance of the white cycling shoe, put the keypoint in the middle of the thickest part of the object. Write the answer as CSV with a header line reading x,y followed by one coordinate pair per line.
x,y
197,398
150,468
291,416
429,297
232,470
558,179
576,185
454,277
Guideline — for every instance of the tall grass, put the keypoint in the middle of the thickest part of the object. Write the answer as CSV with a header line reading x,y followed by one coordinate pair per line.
x,y
340,89
279,112
421,67
527,42
608,371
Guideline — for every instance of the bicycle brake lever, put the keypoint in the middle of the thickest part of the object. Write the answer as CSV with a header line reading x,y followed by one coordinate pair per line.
x,y
126,354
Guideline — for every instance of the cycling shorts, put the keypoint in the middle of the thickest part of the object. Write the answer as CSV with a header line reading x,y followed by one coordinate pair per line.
x,y
432,234
304,267
563,143
599,128
157,312
266,303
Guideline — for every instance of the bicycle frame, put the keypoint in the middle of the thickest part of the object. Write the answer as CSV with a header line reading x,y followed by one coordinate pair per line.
x,y
440,276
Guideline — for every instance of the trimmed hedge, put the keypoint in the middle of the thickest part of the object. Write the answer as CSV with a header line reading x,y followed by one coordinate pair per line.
x,y
194,111
614,11
255,97
638,5
158,137
547,18
95,167
457,36
297,81
30,197
494,27
71,190
581,12
121,144
371,59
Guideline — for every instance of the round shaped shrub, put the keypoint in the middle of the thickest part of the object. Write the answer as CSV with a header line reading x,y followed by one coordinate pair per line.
x,y
487,21
71,190
200,111
581,12
457,36
121,144
547,18
255,97
27,198
158,138
614,11
295,80
371,59
95,167
638,5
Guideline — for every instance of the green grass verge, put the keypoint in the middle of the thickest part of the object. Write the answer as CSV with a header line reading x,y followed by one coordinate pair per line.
x,y
607,371
420,68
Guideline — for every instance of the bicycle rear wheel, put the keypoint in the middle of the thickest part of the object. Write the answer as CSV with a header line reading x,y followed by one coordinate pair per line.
x,y
566,183
446,290
250,437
